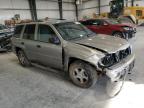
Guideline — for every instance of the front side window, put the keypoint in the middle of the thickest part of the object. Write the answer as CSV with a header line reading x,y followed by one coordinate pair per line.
x,y
29,32
73,30
45,32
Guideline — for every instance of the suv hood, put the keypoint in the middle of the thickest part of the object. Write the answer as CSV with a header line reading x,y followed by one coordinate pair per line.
x,y
104,43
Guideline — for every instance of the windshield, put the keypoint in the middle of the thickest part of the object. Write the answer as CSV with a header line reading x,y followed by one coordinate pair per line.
x,y
73,30
125,20
112,21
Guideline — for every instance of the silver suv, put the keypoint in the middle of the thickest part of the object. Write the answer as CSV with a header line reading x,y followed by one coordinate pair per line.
x,y
71,47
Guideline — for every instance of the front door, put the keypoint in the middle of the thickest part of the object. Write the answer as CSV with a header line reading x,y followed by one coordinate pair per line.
x,y
49,54
28,42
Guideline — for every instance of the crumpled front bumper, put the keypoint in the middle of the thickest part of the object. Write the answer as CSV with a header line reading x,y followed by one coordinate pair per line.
x,y
121,69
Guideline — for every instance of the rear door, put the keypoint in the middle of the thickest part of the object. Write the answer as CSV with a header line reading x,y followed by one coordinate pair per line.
x,y
49,54
28,42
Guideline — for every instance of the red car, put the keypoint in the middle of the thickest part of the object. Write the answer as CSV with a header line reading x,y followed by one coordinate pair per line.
x,y
110,27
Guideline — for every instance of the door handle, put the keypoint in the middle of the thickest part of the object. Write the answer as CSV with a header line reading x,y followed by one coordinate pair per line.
x,y
38,46
22,43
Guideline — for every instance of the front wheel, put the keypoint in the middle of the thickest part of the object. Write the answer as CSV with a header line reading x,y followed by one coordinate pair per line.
x,y
82,74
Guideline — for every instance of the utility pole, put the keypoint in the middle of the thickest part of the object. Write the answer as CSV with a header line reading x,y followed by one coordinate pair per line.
x,y
60,9
32,5
76,10
132,3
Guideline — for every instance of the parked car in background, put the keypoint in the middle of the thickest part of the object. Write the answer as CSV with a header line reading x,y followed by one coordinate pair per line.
x,y
5,38
110,27
74,49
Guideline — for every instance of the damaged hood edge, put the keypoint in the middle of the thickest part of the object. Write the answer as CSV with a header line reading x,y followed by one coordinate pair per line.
x,y
104,44
103,51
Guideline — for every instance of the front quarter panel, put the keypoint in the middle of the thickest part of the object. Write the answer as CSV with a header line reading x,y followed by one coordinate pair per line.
x,y
72,50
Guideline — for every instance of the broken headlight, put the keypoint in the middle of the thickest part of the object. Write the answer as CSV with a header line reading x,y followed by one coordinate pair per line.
x,y
107,61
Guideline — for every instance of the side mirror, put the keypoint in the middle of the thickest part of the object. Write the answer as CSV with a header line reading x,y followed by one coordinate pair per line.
x,y
54,40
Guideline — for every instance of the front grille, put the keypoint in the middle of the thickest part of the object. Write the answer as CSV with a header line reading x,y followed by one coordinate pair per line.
x,y
111,59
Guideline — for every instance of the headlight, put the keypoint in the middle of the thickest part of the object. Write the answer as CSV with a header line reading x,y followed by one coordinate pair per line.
x,y
107,61
126,28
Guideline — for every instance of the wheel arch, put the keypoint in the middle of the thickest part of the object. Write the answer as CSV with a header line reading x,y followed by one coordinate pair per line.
x,y
73,59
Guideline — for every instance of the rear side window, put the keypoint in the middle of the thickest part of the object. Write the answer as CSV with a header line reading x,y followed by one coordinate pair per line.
x,y
18,31
29,32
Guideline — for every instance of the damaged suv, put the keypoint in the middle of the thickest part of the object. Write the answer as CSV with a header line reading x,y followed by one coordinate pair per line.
x,y
71,47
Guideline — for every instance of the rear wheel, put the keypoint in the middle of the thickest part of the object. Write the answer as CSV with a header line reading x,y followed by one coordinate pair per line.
x,y
82,74
23,59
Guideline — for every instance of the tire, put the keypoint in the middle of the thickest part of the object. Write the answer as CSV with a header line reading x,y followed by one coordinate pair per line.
x,y
114,88
82,74
23,59
118,34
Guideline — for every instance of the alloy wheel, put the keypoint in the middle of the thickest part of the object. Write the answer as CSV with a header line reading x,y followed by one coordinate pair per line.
x,y
80,75
21,58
